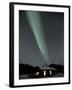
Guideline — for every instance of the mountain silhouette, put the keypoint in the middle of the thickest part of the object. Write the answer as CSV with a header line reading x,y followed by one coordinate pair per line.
x,y
27,69
59,68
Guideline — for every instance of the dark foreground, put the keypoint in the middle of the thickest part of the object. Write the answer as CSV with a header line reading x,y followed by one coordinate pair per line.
x,y
27,71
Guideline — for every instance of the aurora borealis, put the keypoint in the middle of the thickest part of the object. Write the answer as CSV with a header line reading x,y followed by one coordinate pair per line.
x,y
37,29
41,38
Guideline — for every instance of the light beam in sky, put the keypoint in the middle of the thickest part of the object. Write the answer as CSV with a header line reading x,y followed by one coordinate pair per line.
x,y
35,23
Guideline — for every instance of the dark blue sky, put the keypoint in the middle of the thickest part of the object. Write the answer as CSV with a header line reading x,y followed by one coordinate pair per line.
x,y
53,26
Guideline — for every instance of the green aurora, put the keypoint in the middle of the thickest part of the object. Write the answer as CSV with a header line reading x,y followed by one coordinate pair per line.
x,y
36,26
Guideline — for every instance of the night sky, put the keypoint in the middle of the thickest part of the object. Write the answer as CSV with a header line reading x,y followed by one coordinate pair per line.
x,y
53,27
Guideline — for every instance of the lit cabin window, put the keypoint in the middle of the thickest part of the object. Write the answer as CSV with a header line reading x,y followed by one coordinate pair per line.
x,y
44,73
50,72
37,73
